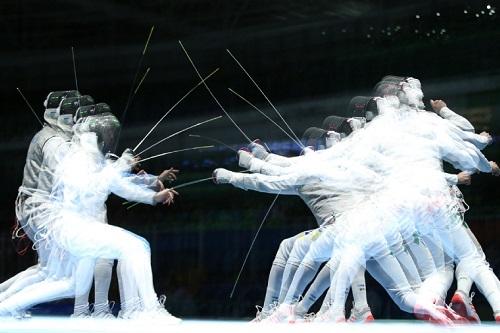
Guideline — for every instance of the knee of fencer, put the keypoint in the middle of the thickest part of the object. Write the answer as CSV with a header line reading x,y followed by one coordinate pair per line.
x,y
279,261
332,265
137,246
408,234
300,248
66,287
311,264
108,263
474,265
80,293
283,253
295,262
143,241
286,246
295,258
42,274
397,249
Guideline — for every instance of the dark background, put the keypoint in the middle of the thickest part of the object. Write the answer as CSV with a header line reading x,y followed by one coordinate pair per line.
x,y
310,57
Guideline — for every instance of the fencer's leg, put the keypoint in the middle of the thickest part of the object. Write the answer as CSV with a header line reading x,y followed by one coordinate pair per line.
x,y
422,256
129,297
84,273
304,275
27,272
51,289
408,300
288,274
361,311
447,275
320,284
276,275
138,266
458,243
327,301
435,287
394,285
83,282
299,251
134,253
102,281
41,292
273,286
435,247
464,281
393,270
486,281
401,251
33,277
461,302
81,305
322,314
416,246
358,288
349,265
318,252
407,264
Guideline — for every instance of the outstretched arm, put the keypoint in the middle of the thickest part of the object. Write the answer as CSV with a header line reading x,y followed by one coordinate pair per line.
x,y
125,188
445,112
255,182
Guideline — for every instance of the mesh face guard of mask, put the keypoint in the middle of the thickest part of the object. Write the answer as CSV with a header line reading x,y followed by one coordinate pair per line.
x,y
91,110
69,105
54,98
106,127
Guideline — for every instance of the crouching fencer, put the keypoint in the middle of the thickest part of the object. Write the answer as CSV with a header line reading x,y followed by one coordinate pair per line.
x,y
104,267
37,182
83,180
61,108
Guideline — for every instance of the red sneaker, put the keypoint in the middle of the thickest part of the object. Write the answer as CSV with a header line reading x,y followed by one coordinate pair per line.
x,y
361,316
462,305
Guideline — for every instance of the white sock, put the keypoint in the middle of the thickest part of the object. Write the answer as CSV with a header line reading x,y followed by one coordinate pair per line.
x,y
359,290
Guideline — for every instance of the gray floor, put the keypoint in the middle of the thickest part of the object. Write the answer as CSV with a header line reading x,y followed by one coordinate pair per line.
x,y
67,325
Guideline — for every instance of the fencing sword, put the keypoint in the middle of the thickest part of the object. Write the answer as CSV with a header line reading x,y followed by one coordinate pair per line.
x,y
174,106
30,107
172,152
74,67
265,115
263,94
253,242
211,94
178,132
